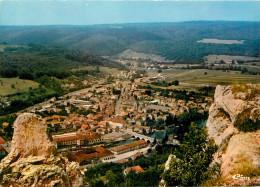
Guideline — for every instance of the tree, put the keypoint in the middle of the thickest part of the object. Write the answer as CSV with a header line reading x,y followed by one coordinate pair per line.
x,y
154,141
97,183
97,69
148,92
111,177
176,82
244,70
191,165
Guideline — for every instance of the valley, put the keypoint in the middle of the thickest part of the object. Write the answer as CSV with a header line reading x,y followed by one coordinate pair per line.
x,y
152,104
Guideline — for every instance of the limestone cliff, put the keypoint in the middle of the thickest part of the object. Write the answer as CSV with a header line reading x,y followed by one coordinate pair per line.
x,y
235,106
32,160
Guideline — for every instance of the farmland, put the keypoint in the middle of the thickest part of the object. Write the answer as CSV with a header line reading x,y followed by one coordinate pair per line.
x,y
201,77
228,59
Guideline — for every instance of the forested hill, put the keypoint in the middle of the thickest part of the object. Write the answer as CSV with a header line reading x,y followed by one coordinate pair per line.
x,y
34,61
177,41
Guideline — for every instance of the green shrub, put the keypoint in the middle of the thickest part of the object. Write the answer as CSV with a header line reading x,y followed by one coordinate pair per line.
x,y
248,125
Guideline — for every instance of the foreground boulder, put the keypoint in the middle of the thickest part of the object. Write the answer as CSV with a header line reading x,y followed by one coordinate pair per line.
x,y
234,125
33,161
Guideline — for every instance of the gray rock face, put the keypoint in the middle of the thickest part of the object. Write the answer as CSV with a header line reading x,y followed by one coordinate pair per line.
x,y
32,160
228,110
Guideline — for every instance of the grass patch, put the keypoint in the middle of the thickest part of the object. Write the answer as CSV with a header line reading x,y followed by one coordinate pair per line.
x,y
248,125
250,90
10,86
245,167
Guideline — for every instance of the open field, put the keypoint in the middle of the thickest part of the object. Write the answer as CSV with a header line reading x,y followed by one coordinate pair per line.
x,y
14,85
182,86
211,59
213,77
253,63
129,54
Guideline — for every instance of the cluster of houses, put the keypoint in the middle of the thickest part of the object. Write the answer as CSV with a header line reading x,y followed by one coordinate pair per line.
x,y
100,154
88,116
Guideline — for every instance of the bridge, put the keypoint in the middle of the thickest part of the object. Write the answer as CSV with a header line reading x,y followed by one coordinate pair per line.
x,y
137,135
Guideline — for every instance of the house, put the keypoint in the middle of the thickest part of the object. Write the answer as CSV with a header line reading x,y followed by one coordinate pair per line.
x,y
94,138
70,140
102,123
136,169
136,155
84,126
117,122
122,161
5,125
2,141
129,147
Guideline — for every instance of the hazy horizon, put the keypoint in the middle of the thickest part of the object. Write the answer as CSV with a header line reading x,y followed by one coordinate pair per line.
x,y
30,13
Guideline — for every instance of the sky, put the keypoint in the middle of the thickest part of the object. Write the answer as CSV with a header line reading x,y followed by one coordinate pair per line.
x,y
82,12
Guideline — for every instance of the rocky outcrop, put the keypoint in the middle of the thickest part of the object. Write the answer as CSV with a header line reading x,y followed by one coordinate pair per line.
x,y
32,160
162,183
230,109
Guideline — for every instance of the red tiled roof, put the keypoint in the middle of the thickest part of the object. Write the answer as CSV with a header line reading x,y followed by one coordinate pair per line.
x,y
123,114
1,148
103,123
84,126
5,124
137,169
122,161
127,146
136,155
97,152
116,120
76,137
2,141
93,136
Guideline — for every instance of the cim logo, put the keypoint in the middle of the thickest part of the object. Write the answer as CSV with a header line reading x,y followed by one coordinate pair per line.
x,y
241,177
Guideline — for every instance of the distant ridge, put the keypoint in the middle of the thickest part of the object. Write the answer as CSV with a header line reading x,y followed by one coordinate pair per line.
x,y
172,40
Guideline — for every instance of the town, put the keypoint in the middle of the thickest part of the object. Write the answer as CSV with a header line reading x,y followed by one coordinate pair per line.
x,y
112,122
